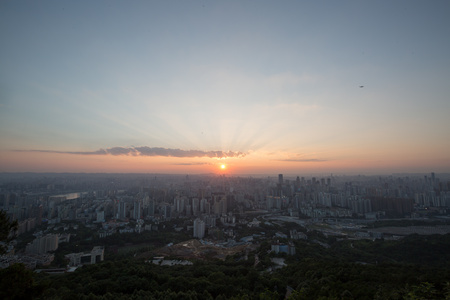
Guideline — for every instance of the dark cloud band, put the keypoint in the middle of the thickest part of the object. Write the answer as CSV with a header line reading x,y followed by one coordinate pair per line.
x,y
149,151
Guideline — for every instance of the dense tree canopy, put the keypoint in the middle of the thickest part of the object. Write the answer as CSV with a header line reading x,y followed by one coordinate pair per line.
x,y
315,272
6,227
415,267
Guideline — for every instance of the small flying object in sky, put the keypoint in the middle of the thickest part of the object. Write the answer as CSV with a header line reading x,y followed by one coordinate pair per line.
x,y
361,86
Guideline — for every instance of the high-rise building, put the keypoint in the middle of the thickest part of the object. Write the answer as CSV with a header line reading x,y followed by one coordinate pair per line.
x,y
151,208
122,213
280,179
269,202
203,203
199,228
101,216
188,210
36,212
166,211
43,244
224,203
195,206
207,208
217,208
180,204
137,210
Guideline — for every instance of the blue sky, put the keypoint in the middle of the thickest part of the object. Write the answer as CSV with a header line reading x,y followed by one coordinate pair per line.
x,y
274,80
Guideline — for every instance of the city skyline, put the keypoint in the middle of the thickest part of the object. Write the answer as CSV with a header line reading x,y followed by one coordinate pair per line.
x,y
258,87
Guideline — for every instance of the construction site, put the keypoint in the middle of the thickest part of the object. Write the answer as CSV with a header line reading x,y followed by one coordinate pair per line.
x,y
194,249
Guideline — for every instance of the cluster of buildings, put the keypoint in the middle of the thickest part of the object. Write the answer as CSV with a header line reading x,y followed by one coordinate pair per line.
x,y
278,247
96,255
361,197
197,197
43,244
212,205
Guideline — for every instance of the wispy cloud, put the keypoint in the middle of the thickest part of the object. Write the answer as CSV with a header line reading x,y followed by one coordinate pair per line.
x,y
303,160
191,164
149,151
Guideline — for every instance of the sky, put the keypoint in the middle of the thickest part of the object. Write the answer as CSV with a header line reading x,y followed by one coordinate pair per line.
x,y
261,87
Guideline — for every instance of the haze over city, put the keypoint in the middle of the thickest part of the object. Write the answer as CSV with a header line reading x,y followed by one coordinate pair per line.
x,y
230,87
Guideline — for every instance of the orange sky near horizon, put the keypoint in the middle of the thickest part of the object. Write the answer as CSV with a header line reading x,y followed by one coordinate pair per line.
x,y
250,164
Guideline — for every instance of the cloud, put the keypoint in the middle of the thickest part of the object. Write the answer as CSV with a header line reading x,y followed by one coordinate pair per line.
x,y
149,151
303,160
191,164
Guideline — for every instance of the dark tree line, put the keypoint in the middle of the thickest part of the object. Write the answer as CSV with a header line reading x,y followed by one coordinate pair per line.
x,y
314,272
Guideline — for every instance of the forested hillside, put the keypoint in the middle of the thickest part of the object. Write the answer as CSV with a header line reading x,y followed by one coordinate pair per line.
x,y
413,268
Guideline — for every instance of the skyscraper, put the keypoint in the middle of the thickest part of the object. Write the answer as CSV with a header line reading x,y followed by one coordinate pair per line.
x,y
167,211
122,213
43,244
151,208
199,228
137,210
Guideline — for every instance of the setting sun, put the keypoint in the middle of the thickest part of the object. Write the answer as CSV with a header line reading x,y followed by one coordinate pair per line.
x,y
223,167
